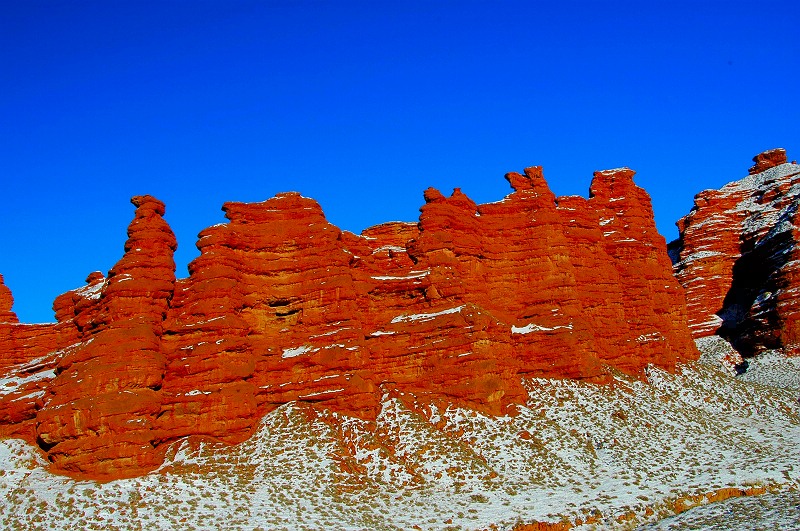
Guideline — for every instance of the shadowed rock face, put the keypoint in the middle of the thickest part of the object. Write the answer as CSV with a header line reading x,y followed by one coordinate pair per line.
x,y
738,260
283,306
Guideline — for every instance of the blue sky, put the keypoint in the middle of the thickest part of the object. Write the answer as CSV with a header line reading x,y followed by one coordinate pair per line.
x,y
363,105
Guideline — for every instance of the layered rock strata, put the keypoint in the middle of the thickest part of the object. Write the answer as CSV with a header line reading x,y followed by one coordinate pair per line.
x,y
6,303
282,306
98,413
738,260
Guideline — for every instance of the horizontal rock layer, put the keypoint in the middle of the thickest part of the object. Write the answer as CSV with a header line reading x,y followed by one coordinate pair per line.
x,y
738,260
282,306
6,302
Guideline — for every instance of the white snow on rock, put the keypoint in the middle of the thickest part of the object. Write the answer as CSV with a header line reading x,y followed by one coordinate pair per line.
x,y
698,256
425,316
613,171
10,383
296,351
652,336
762,179
92,291
532,327
388,248
321,393
197,392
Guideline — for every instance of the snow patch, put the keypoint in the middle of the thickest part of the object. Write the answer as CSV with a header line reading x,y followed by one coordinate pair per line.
x,y
532,327
389,248
329,391
92,291
296,351
425,316
197,392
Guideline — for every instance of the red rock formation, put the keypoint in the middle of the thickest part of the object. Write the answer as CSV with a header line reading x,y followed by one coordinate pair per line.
x,y
6,302
738,260
768,159
98,414
282,306
28,357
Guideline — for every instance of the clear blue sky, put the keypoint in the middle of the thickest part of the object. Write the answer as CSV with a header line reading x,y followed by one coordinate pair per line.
x,y
363,105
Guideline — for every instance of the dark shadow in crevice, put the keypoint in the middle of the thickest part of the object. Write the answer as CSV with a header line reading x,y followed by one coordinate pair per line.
x,y
749,310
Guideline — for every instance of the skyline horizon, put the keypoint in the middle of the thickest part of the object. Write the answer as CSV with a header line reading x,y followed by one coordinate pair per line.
x,y
362,106
195,252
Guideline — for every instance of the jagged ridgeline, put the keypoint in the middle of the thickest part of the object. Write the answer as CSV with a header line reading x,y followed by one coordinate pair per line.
x,y
458,309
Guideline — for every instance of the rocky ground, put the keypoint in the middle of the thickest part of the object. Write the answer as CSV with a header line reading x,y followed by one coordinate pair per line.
x,y
757,513
597,457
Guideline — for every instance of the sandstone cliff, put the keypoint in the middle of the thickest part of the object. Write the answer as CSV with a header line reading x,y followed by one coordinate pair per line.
x,y
738,260
282,306
6,302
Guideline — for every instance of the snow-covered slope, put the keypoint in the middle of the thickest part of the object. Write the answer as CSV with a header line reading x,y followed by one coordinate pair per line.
x,y
614,455
773,511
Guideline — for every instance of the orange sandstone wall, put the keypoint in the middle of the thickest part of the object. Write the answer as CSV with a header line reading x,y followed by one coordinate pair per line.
x,y
282,306
6,302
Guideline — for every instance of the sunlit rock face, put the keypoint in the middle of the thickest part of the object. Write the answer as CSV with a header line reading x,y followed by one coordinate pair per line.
x,y
98,413
282,306
738,260
6,302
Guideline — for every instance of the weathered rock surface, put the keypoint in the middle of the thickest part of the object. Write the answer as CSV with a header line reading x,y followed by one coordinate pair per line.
x,y
282,306
738,258
768,159
98,414
6,302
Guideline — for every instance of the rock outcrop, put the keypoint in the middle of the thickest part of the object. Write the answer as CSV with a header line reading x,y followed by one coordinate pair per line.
x,y
98,414
282,306
6,303
738,258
